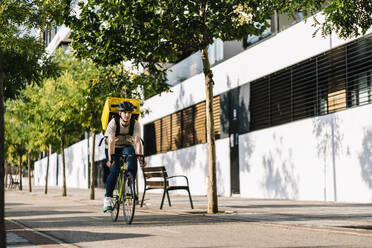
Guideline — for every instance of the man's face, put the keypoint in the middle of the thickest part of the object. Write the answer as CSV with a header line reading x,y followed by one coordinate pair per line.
x,y
125,116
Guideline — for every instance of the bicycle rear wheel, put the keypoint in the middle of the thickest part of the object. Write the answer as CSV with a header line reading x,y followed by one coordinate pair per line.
x,y
129,201
115,202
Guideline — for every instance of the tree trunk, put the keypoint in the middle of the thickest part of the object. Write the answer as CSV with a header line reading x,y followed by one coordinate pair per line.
x,y
2,225
6,172
47,171
91,183
20,169
29,170
64,191
212,182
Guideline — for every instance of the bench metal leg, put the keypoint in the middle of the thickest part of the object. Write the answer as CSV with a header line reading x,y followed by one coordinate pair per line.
x,y
170,205
162,200
143,197
192,206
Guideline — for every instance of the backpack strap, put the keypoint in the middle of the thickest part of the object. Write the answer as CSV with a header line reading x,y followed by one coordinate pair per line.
x,y
131,126
117,123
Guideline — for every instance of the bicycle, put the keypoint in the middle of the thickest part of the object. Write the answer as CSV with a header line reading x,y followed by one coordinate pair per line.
x,y
125,191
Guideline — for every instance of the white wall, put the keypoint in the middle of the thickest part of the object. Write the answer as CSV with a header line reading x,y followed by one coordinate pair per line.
x,y
40,171
193,163
62,35
193,65
76,158
325,158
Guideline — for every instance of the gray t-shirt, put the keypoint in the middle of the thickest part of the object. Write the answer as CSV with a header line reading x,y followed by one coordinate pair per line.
x,y
124,138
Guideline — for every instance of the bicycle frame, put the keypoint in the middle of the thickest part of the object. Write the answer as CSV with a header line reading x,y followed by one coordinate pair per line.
x,y
121,176
125,181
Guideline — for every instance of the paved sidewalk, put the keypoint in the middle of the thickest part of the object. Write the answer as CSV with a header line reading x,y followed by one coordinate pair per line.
x,y
345,218
18,235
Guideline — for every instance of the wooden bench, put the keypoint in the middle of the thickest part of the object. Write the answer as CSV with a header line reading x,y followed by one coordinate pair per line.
x,y
13,183
157,178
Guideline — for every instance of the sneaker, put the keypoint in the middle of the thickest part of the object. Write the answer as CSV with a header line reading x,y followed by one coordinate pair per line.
x,y
107,205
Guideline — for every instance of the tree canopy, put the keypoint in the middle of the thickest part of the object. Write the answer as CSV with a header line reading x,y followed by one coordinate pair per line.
x,y
21,57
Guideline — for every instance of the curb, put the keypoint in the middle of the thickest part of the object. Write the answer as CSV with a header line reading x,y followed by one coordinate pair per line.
x,y
21,235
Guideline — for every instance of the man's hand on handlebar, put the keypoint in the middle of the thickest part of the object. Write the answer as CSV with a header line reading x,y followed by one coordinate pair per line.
x,y
140,158
110,163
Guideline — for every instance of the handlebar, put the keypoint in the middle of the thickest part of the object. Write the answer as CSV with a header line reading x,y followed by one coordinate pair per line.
x,y
126,156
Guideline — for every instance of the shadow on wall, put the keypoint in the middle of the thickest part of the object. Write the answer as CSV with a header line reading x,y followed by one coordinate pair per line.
x,y
244,115
280,179
185,157
329,138
181,103
329,144
246,148
365,157
69,160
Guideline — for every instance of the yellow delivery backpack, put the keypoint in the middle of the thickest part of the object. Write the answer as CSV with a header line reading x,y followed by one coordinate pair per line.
x,y
110,110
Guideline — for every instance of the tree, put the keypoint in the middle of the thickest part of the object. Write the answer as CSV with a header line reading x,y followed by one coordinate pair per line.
x,y
16,48
37,118
96,84
16,134
347,18
87,76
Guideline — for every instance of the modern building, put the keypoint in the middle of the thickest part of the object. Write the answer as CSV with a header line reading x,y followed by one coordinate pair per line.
x,y
292,115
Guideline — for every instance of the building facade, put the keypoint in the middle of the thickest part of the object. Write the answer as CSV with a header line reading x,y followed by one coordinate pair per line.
x,y
292,118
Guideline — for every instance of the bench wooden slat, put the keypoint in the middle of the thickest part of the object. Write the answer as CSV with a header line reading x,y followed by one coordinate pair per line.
x,y
154,174
155,187
157,168
155,183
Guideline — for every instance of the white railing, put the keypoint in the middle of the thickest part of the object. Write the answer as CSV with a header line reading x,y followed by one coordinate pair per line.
x,y
193,65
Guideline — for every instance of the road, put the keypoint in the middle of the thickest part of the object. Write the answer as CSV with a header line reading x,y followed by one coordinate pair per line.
x,y
75,221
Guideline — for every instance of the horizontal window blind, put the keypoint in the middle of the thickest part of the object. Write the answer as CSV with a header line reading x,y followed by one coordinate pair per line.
x,y
181,129
176,131
217,117
166,134
329,82
157,136
200,124
188,127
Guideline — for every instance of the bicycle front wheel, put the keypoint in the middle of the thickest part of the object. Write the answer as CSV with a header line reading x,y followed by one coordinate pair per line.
x,y
129,198
115,202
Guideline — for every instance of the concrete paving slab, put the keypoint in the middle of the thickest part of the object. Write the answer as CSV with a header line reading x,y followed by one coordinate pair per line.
x,y
76,221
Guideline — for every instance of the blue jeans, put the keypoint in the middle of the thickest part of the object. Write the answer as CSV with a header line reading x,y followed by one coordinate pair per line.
x,y
114,170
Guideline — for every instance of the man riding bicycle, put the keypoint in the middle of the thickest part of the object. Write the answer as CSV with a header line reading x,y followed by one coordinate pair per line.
x,y
123,140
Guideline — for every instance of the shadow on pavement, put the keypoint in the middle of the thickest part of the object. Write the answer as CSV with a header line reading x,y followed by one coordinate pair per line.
x,y
40,212
139,220
177,220
333,205
77,237
16,204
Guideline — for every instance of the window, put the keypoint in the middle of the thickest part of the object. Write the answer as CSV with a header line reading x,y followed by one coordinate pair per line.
x,y
359,69
280,97
260,104
329,82
200,124
181,129
304,89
